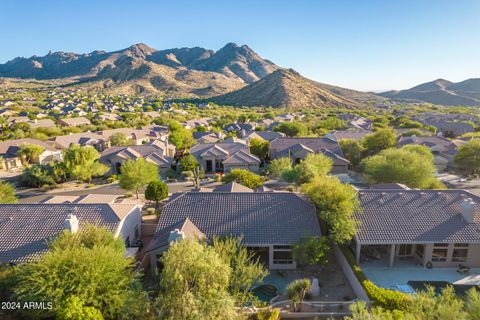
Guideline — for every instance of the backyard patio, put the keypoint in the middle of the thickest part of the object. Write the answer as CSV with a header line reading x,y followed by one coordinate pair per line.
x,y
333,284
405,271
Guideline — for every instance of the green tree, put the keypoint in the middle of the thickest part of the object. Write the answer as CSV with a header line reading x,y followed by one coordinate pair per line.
x,y
410,166
135,174
82,273
29,153
297,290
472,304
312,250
380,140
156,191
336,203
260,148
82,163
120,139
244,177
278,166
292,129
194,283
180,137
7,193
314,165
467,158
188,163
246,269
38,175
353,151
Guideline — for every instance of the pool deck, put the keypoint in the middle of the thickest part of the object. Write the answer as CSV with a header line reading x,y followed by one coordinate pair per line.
x,y
399,275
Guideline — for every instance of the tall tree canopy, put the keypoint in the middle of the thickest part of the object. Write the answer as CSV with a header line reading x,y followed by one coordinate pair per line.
x,y
353,151
120,139
467,158
29,153
380,140
82,162
260,148
135,174
85,273
410,165
292,129
195,282
335,204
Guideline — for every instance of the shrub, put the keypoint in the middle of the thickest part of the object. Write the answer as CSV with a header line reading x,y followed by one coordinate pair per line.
x,y
112,178
297,290
244,177
151,210
269,314
128,194
385,298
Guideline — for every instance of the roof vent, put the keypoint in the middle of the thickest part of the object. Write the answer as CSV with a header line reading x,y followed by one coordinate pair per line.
x,y
467,210
176,235
71,223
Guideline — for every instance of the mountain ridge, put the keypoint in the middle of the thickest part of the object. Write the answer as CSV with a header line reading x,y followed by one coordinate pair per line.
x,y
441,91
288,88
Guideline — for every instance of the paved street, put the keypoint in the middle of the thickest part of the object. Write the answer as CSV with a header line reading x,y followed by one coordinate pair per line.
x,y
32,195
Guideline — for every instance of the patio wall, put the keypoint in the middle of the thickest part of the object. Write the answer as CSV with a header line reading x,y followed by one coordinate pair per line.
x,y
347,270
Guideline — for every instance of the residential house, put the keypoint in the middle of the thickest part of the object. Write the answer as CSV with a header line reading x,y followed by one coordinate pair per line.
x,y
263,135
353,134
159,153
444,150
9,153
208,137
268,223
83,139
224,156
74,122
298,148
138,136
34,124
434,228
239,126
25,229
202,122
109,117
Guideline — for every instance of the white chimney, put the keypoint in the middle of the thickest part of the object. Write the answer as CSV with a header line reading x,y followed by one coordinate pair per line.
x,y
414,137
176,235
71,223
468,210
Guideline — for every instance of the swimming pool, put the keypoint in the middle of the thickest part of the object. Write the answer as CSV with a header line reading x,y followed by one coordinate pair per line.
x,y
265,292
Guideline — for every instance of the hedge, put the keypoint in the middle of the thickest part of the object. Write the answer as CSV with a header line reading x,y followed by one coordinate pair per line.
x,y
385,298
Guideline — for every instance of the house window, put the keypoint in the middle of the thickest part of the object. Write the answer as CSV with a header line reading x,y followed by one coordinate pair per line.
x,y
419,250
218,165
460,252
282,255
440,251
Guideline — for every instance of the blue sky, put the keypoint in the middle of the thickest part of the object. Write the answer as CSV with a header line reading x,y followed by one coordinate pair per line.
x,y
365,45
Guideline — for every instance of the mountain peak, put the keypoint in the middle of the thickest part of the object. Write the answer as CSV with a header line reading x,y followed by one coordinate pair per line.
x,y
140,50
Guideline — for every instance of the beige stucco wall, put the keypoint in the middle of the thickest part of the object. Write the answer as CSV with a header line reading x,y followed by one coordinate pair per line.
x,y
473,258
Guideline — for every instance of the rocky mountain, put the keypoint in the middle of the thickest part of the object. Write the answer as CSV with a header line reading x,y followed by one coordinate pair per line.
x,y
287,88
440,91
140,68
